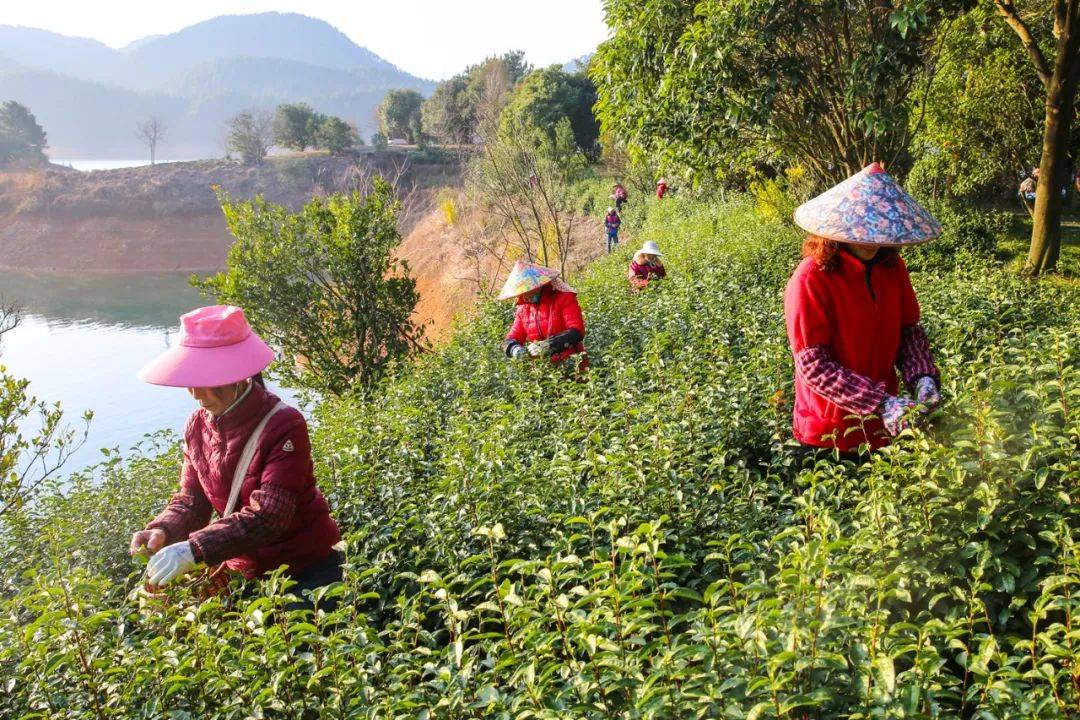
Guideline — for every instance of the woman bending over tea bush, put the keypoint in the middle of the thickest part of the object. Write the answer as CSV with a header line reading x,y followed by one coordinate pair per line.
x,y
244,450
853,318
646,266
547,320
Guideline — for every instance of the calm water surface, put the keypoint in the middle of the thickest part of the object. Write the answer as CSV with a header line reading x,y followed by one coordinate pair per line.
x,y
81,342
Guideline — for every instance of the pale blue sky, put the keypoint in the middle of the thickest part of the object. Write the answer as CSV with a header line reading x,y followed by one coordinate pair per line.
x,y
430,38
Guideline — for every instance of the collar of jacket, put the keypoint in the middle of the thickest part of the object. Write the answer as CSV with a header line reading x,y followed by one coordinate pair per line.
x,y
240,414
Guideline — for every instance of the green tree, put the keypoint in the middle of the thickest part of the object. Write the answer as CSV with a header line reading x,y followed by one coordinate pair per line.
x,y
1055,55
979,123
547,96
323,286
336,135
21,137
448,114
250,136
296,125
461,105
823,84
379,141
399,114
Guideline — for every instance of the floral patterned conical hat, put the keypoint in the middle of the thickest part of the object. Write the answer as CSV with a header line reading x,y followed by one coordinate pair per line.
x,y
526,277
869,208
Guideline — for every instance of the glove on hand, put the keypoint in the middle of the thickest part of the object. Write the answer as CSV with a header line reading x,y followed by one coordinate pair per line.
x,y
927,393
541,348
518,352
170,563
892,413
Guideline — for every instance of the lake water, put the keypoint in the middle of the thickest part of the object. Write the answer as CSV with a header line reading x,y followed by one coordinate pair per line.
x,y
81,342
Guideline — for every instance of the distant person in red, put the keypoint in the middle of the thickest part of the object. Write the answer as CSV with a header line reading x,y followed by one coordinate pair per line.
x,y
619,196
661,188
547,320
853,318
646,266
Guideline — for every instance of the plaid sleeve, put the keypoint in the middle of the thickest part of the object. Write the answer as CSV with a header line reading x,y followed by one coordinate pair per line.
x,y
855,393
915,359
188,509
265,518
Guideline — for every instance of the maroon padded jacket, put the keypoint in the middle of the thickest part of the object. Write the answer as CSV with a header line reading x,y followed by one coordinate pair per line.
x,y
281,517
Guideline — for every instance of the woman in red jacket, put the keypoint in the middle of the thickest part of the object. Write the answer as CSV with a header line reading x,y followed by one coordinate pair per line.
x,y
247,457
547,321
853,318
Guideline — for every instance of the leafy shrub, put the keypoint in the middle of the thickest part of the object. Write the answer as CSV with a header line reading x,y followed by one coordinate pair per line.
x,y
776,198
637,544
968,234
322,284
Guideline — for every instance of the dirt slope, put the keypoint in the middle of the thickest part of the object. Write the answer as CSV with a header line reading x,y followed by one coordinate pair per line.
x,y
167,217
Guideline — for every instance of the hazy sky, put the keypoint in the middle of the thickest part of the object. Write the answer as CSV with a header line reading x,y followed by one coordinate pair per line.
x,y
430,38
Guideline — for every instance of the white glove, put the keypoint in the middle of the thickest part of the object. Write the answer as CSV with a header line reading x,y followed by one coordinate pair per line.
x,y
518,352
927,393
169,563
540,348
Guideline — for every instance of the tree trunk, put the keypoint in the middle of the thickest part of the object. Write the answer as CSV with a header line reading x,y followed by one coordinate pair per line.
x,y
1054,164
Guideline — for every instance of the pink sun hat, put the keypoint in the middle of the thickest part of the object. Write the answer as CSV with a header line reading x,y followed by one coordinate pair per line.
x,y
216,347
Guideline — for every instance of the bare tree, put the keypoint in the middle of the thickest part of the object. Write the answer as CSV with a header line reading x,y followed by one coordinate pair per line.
x,y
522,178
29,459
250,135
151,131
10,316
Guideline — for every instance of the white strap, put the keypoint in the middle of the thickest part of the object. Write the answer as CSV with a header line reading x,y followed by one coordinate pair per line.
x,y
245,459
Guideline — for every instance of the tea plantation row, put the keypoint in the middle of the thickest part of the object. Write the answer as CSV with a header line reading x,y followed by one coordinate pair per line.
x,y
634,545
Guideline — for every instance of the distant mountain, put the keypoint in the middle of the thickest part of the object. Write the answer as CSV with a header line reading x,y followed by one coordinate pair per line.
x,y
286,36
578,64
89,96
81,57
282,80
86,118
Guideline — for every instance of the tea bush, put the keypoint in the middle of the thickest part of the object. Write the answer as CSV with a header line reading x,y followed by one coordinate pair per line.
x,y
636,544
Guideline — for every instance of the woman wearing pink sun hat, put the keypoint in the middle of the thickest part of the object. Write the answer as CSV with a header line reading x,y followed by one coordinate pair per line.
x,y
247,457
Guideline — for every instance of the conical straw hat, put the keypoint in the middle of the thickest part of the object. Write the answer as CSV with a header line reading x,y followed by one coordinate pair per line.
x,y
869,208
526,277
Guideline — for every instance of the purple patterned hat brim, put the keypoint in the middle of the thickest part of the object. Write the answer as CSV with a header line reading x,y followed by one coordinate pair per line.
x,y
869,208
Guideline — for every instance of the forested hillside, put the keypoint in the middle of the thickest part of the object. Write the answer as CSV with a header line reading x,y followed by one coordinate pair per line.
x,y
89,97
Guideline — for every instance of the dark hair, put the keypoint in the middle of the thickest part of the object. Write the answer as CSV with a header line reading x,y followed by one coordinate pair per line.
x,y
257,378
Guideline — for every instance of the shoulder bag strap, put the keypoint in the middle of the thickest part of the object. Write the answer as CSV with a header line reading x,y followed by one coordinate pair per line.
x,y
245,459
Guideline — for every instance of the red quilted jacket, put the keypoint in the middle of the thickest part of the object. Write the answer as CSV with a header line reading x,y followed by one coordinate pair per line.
x,y
556,312
281,517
